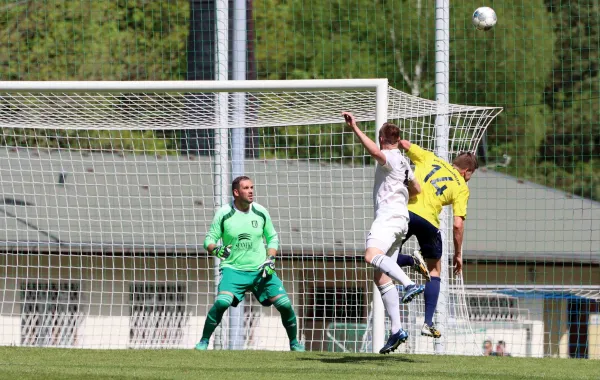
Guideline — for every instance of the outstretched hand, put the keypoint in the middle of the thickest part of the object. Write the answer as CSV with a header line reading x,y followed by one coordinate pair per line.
x,y
350,120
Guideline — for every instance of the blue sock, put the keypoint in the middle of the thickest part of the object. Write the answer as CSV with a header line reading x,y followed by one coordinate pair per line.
x,y
431,294
405,261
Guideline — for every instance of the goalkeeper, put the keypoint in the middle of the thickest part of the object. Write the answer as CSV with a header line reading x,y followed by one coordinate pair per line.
x,y
245,263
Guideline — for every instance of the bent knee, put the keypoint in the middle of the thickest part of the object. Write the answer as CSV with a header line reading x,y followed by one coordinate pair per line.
x,y
282,302
223,301
370,254
434,266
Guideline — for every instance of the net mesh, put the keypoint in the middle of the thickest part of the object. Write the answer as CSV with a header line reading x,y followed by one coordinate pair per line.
x,y
177,111
104,216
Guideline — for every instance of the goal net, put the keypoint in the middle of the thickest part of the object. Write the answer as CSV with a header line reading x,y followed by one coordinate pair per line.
x,y
108,189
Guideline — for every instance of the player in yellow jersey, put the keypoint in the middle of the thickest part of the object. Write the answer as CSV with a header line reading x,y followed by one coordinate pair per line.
x,y
442,184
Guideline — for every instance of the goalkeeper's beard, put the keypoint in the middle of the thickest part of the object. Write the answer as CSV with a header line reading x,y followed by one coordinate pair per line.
x,y
245,198
242,204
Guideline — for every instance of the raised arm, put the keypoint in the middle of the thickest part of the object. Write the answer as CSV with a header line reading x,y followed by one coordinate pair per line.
x,y
416,154
404,145
369,144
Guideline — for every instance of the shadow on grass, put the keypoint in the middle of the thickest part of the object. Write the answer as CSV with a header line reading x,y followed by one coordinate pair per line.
x,y
358,359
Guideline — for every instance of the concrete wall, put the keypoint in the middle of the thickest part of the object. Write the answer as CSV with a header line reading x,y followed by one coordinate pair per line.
x,y
105,298
105,301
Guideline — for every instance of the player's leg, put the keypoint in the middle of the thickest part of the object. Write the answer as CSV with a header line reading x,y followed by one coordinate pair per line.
x,y
381,241
391,303
391,299
431,246
385,264
214,317
413,259
270,291
431,295
231,291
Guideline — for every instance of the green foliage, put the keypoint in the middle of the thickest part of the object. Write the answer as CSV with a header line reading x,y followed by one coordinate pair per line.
x,y
93,40
395,39
540,63
572,141
309,39
332,142
583,179
506,66
90,140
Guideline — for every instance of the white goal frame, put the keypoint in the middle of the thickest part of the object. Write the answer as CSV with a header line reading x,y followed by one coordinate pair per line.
x,y
222,173
447,128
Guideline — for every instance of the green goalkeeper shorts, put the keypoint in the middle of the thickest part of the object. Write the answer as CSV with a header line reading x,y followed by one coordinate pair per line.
x,y
239,282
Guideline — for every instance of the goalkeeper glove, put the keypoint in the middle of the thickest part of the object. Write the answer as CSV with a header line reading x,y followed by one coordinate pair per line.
x,y
222,252
268,267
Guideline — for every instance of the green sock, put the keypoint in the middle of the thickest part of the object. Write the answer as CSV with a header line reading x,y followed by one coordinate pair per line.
x,y
288,318
215,314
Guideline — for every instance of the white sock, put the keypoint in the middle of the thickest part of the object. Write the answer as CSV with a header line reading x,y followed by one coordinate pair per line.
x,y
391,302
388,266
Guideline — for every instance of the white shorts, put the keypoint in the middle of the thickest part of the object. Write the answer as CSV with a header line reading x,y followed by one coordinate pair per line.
x,y
386,234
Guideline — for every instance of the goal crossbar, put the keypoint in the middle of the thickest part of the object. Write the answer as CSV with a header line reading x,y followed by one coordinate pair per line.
x,y
203,86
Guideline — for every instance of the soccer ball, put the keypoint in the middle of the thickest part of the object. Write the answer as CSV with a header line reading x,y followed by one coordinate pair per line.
x,y
484,18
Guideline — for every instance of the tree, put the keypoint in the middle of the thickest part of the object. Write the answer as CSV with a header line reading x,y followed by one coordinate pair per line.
x,y
92,40
572,141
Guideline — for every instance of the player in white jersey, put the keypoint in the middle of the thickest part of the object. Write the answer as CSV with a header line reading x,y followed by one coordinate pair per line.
x,y
395,182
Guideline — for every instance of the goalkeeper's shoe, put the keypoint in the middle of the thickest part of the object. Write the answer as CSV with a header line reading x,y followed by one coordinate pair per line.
x,y
394,341
202,345
420,265
411,291
297,347
430,331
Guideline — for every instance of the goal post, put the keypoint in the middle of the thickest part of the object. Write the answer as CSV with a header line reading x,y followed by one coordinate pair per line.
x,y
104,215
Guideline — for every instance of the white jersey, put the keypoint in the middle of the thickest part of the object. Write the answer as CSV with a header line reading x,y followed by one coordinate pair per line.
x,y
390,192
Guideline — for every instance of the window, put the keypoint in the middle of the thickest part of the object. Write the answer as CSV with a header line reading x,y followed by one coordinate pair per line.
x,y
338,303
50,314
158,314
493,306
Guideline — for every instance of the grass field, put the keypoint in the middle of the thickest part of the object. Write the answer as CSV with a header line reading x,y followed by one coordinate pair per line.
x,y
34,363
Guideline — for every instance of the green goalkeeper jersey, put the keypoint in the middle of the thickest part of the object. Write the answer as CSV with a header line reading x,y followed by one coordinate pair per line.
x,y
244,231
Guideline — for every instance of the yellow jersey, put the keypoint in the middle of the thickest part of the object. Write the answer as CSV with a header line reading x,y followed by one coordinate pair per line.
x,y
441,185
